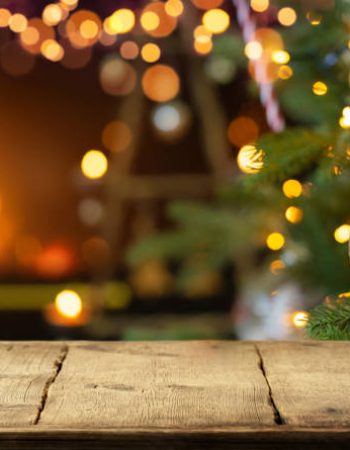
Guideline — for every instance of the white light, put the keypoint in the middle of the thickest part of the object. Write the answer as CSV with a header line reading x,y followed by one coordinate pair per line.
x,y
166,118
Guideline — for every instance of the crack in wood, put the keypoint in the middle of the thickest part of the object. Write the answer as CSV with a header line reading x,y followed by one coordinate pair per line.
x,y
58,364
278,418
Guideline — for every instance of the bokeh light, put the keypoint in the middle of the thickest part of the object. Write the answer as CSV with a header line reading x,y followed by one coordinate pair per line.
x,y
166,23
292,188
120,22
52,14
294,214
18,23
342,233
287,16
68,303
259,5
94,164
52,50
250,160
319,88
216,20
116,136
242,130
160,83
5,16
299,319
150,52
117,77
275,241
129,50
207,4
174,8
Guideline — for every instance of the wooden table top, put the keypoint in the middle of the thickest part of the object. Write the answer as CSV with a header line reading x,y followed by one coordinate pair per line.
x,y
178,395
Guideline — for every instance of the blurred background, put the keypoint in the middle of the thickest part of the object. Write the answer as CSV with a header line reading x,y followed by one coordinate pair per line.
x,y
172,169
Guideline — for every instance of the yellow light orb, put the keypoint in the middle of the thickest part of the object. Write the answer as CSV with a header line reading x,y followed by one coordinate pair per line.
x,y
259,5
68,304
18,23
216,20
150,53
94,164
344,122
275,241
292,188
5,17
319,88
203,48
89,29
280,57
285,72
174,8
253,50
299,319
30,36
149,21
294,214
52,14
52,50
250,160
342,233
346,111
287,16
121,21
201,34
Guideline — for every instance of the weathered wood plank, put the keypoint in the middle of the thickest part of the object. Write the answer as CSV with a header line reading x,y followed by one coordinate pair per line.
x,y
167,385
310,381
26,370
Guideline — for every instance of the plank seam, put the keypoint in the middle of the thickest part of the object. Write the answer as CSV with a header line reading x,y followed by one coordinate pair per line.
x,y
278,418
58,364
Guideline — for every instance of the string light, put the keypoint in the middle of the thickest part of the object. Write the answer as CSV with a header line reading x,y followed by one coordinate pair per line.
x,y
5,17
121,21
18,23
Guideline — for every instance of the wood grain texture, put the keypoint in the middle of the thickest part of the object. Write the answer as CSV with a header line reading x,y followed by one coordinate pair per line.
x,y
167,385
176,395
25,372
310,381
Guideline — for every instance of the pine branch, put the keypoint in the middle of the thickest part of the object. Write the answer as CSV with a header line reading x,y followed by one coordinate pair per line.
x,y
331,320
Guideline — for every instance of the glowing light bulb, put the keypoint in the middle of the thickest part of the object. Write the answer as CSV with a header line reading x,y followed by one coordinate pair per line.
x,y
294,214
150,52
68,303
149,21
121,21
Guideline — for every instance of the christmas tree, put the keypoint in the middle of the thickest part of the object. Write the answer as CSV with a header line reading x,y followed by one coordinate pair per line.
x,y
289,210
